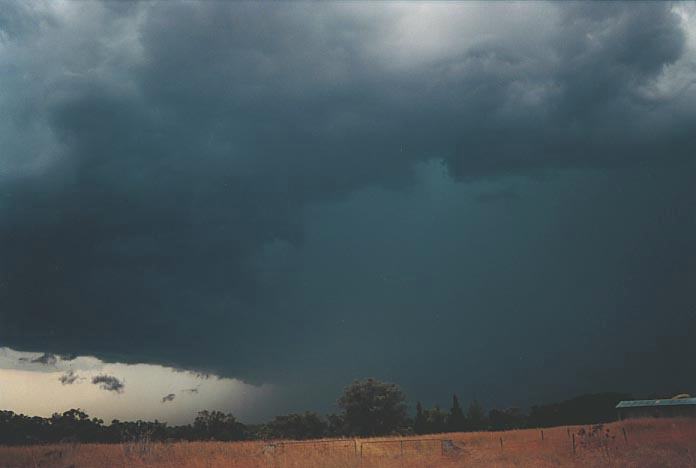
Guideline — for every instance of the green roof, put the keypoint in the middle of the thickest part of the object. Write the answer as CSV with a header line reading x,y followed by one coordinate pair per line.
x,y
665,402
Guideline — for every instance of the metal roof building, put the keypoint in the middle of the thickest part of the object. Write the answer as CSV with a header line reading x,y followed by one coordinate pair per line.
x,y
665,408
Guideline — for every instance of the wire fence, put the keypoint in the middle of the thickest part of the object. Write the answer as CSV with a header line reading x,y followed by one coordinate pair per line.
x,y
575,440
453,449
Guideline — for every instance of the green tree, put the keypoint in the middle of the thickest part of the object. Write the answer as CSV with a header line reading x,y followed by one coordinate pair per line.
x,y
456,421
370,408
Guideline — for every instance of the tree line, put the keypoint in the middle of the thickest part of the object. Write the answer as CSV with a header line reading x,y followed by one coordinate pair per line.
x,y
367,408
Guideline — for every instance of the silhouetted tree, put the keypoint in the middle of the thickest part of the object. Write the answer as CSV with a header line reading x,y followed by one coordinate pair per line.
x,y
370,408
215,425
436,420
75,425
420,423
511,418
475,417
584,409
336,425
456,421
297,426
139,431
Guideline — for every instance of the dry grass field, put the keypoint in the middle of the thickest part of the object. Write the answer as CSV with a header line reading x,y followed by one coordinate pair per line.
x,y
647,443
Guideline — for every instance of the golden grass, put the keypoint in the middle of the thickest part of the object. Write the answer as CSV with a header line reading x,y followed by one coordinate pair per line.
x,y
648,443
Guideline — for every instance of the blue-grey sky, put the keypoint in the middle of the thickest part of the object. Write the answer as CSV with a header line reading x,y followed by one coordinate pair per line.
x,y
496,200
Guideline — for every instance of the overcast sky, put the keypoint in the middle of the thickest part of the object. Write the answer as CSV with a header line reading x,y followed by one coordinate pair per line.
x,y
497,200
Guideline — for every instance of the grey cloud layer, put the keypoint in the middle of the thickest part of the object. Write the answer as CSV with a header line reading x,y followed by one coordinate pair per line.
x,y
152,151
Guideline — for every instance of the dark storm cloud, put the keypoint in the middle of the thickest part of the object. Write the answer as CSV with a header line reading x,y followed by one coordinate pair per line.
x,y
587,107
156,155
497,196
108,383
196,374
18,18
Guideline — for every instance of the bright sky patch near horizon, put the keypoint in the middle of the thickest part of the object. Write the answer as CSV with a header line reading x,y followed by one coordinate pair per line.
x,y
38,384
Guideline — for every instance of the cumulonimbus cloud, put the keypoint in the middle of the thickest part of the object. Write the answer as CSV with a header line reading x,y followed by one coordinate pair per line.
x,y
151,159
